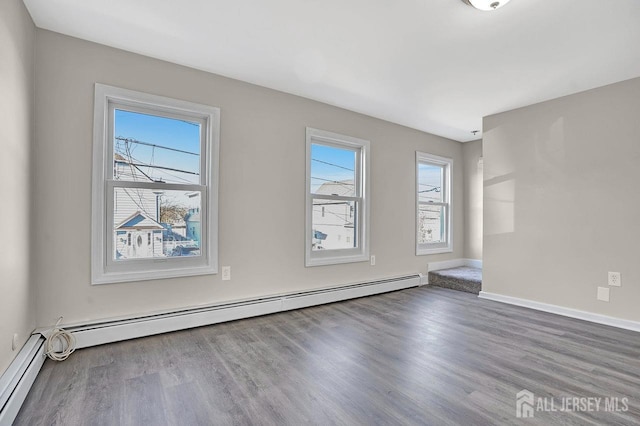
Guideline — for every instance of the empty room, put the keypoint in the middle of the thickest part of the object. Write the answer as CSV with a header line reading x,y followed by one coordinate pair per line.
x,y
292,212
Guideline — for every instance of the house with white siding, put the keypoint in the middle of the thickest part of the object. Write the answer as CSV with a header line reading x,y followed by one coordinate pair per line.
x,y
137,229
333,221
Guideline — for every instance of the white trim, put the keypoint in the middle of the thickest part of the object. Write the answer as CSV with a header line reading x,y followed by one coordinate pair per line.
x,y
362,197
103,269
453,263
123,329
424,279
447,164
444,264
19,377
561,310
474,263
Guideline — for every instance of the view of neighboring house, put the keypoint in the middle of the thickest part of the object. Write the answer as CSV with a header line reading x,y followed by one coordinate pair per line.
x,y
192,224
430,226
138,230
138,236
333,220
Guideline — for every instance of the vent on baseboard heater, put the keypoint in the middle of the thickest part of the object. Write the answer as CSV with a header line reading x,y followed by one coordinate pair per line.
x,y
113,331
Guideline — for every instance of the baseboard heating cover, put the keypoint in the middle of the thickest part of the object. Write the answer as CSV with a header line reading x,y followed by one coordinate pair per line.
x,y
113,331
17,380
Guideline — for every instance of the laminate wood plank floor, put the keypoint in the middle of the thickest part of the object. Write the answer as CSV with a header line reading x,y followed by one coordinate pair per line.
x,y
417,356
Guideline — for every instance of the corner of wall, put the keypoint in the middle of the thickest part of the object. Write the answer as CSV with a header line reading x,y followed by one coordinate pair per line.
x,y
472,176
17,308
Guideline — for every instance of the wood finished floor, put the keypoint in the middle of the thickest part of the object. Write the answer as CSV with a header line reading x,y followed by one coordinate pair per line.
x,y
417,356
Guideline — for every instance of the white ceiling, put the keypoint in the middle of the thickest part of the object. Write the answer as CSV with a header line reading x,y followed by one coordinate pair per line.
x,y
434,65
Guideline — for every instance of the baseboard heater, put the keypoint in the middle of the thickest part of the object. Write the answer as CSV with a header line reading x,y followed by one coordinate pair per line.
x,y
18,378
113,331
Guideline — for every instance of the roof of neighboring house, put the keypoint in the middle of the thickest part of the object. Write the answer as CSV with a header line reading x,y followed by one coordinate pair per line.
x,y
139,220
126,169
342,187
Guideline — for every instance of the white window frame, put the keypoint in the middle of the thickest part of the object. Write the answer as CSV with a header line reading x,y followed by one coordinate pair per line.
x,y
447,165
103,268
362,197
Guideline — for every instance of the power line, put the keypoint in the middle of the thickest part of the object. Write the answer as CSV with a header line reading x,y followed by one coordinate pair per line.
x,y
346,221
129,140
131,157
157,167
331,164
332,181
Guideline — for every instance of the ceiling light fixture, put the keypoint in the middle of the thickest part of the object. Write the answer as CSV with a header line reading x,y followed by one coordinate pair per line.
x,y
486,4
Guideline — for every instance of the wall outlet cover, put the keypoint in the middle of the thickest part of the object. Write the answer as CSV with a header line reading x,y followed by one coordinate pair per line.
x,y
615,279
226,273
603,294
373,260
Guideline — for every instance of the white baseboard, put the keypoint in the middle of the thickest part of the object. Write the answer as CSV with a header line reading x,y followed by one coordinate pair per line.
x,y
18,378
424,279
561,310
453,263
476,263
444,264
113,331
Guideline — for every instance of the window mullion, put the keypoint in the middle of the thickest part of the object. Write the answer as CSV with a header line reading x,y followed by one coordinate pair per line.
x,y
433,203
155,185
335,197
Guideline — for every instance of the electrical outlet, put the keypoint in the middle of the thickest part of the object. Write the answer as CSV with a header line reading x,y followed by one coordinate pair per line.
x,y
603,294
14,342
226,273
614,279
373,260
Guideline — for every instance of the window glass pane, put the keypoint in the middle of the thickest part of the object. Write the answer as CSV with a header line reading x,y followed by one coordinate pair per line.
x,y
150,223
333,171
333,225
151,148
430,183
431,224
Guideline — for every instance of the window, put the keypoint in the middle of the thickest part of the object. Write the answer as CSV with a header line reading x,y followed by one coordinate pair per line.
x,y
337,201
155,172
433,204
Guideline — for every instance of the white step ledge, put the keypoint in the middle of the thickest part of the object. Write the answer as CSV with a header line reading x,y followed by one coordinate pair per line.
x,y
453,263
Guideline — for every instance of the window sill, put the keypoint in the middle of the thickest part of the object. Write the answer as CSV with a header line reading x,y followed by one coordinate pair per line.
x,y
435,250
336,260
121,277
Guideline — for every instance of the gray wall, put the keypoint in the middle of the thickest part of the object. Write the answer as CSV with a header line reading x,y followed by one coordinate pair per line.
x,y
262,175
472,190
562,200
17,39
